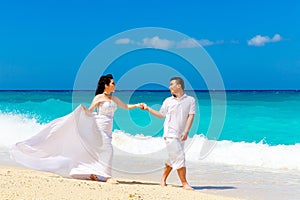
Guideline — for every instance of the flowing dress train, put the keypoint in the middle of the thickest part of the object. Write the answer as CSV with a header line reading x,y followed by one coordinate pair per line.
x,y
74,146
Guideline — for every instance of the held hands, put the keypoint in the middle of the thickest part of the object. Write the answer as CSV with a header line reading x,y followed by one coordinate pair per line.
x,y
144,106
140,105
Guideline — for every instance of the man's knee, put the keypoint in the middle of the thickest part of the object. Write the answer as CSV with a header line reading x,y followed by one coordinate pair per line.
x,y
181,169
168,166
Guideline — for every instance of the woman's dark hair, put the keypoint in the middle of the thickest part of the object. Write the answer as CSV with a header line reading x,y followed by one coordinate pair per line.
x,y
104,80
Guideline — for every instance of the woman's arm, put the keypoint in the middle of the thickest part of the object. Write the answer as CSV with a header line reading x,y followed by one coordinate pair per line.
x,y
95,103
123,105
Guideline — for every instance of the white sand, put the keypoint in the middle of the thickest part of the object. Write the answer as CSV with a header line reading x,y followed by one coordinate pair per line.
x,y
20,183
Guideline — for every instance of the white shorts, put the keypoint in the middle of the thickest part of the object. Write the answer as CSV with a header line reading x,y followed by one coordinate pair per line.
x,y
175,149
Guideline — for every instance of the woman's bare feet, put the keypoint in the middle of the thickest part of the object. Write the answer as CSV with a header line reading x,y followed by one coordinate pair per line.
x,y
103,179
112,181
94,177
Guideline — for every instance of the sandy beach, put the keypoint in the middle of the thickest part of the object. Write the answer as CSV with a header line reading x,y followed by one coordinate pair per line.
x,y
20,183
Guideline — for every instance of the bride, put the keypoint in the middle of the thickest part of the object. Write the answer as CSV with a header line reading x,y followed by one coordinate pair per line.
x,y
77,145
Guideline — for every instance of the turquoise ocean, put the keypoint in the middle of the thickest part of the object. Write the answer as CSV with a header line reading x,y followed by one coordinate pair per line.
x,y
260,135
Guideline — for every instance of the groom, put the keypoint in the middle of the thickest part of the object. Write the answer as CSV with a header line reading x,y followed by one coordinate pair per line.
x,y
179,111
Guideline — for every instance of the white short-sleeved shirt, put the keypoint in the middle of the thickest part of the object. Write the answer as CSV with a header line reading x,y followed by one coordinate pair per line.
x,y
176,112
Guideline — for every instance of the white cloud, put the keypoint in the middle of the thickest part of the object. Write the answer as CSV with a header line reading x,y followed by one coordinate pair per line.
x,y
160,43
157,42
187,43
259,40
234,42
276,38
123,41
205,42
154,42
219,42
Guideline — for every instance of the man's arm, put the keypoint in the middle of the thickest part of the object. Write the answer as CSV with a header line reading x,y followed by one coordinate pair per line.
x,y
152,111
188,126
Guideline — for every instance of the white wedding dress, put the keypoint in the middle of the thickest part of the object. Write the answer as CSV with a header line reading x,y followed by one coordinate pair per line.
x,y
75,146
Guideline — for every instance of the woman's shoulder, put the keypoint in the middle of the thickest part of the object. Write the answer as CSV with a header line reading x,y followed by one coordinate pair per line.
x,y
99,96
115,98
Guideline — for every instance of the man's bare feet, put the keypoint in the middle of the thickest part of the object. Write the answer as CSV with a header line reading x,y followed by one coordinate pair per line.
x,y
112,181
187,187
163,183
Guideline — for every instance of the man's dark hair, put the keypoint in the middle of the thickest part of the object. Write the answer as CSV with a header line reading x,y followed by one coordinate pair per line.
x,y
178,81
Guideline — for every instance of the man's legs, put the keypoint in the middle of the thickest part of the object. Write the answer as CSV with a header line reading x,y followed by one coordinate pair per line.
x,y
182,175
165,175
177,160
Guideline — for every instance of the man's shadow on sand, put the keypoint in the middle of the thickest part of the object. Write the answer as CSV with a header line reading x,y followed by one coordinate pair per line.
x,y
194,187
213,187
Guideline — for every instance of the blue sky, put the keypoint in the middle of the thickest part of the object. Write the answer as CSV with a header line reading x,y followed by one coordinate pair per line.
x,y
255,45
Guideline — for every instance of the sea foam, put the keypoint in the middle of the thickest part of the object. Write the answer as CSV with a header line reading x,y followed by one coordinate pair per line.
x,y
16,127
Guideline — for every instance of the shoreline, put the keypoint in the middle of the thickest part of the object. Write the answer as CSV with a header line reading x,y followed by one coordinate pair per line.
x,y
220,181
22,183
